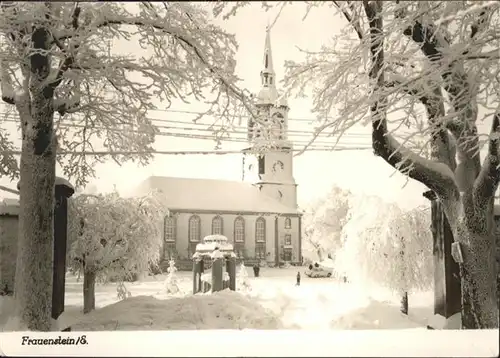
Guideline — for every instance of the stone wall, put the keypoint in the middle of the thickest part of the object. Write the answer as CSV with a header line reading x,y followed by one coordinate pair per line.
x,y
9,222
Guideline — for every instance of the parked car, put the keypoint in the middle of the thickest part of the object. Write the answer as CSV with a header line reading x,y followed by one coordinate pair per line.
x,y
325,268
316,270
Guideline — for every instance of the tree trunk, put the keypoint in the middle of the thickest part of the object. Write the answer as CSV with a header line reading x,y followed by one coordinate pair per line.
x,y
404,303
33,283
479,282
88,291
320,254
404,292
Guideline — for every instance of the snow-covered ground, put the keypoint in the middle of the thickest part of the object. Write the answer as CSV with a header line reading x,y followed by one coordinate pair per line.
x,y
276,302
318,312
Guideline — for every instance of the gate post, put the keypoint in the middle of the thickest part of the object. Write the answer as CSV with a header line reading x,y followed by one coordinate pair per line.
x,y
217,274
63,191
231,270
196,273
447,284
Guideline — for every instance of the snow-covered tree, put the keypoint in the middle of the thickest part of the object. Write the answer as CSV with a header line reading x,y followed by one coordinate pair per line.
x,y
421,72
324,221
376,235
74,91
111,236
171,281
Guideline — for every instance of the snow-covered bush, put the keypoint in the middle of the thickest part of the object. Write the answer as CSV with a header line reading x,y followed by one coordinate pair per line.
x,y
122,292
387,246
112,236
242,283
171,281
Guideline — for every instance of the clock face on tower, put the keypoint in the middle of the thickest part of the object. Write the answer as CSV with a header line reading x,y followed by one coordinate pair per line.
x,y
278,166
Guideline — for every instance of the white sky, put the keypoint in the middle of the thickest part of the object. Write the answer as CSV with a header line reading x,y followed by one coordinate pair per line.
x,y
315,172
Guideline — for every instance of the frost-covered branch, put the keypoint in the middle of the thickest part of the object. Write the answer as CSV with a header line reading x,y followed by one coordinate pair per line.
x,y
181,56
434,43
431,97
436,176
487,181
69,56
349,16
8,92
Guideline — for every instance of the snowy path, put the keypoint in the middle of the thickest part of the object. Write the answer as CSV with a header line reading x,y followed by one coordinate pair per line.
x,y
324,304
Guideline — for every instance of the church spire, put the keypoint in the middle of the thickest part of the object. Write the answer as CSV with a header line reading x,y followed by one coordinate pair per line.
x,y
268,93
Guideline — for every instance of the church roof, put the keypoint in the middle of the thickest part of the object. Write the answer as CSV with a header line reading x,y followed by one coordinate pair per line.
x,y
212,195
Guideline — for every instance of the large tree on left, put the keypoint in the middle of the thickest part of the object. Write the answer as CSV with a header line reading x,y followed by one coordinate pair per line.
x,y
71,89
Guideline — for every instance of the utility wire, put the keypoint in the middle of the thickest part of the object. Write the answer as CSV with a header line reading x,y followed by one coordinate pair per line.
x,y
184,152
211,128
211,137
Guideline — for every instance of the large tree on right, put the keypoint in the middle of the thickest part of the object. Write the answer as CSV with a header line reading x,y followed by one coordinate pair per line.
x,y
432,68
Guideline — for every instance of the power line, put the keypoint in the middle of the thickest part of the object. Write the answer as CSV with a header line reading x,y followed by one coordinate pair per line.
x,y
315,146
211,137
184,152
210,128
168,110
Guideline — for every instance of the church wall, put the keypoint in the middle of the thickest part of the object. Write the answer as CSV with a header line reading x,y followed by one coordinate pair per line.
x,y
228,231
182,233
294,231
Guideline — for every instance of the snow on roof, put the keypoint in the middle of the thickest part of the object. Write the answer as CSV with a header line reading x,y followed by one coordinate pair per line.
x,y
215,238
212,195
212,246
57,181
267,95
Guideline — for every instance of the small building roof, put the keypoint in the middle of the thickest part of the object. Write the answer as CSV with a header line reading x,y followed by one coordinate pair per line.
x,y
212,195
9,207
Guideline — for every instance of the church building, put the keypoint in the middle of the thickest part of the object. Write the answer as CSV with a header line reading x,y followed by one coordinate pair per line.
x,y
258,215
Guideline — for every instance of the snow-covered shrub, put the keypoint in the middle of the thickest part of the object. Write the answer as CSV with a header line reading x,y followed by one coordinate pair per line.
x,y
384,245
112,236
122,292
171,281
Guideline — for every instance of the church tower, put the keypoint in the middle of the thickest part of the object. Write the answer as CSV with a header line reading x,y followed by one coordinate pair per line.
x,y
268,162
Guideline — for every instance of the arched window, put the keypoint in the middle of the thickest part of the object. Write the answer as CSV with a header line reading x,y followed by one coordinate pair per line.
x,y
217,227
260,230
239,229
260,238
170,237
194,228
288,223
170,229
278,127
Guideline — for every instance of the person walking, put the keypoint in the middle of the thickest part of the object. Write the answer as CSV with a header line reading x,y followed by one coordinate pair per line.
x,y
298,279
